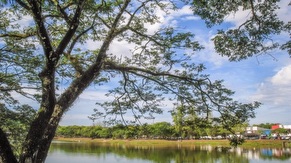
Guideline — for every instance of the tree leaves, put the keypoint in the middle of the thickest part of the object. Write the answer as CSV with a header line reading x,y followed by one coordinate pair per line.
x,y
251,37
52,50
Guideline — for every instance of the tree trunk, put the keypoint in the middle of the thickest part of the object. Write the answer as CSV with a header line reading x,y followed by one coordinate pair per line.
x,y
51,111
40,147
39,124
6,153
49,134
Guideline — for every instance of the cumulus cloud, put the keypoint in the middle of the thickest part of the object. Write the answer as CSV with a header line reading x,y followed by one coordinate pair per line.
x,y
277,89
183,14
208,55
238,17
241,15
283,77
123,48
275,94
170,18
284,11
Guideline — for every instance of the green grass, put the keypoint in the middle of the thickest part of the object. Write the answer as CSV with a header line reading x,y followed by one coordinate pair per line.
x,y
185,143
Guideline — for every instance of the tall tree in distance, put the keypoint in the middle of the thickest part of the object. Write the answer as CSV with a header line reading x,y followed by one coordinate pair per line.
x,y
45,42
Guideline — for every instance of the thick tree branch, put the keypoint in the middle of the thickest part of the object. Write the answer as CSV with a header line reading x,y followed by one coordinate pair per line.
x,y
17,35
23,4
62,11
42,31
72,29
3,89
74,61
113,66
192,81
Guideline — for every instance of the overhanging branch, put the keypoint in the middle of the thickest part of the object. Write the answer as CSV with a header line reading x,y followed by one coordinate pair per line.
x,y
191,81
113,66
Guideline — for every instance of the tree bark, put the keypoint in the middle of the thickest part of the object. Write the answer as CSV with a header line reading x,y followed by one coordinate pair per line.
x,y
36,137
43,128
6,153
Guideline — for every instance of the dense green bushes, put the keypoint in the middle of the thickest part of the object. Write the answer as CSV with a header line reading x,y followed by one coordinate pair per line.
x,y
160,130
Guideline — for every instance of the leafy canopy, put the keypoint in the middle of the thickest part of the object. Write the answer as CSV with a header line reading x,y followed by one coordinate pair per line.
x,y
45,56
252,37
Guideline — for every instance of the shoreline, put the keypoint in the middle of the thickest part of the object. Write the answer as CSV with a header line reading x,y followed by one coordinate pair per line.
x,y
263,143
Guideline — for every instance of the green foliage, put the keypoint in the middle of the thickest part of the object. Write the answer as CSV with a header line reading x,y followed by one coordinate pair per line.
x,y
161,130
188,124
280,131
15,122
158,130
236,141
49,52
251,37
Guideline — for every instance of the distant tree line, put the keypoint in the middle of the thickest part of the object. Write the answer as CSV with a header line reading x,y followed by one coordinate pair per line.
x,y
159,130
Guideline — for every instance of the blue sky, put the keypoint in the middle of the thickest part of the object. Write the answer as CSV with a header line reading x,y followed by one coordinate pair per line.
x,y
264,78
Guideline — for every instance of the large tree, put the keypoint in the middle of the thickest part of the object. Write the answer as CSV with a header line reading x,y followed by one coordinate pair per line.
x,y
44,45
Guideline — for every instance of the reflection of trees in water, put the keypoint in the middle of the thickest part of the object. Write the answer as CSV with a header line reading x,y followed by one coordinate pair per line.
x,y
177,154
154,154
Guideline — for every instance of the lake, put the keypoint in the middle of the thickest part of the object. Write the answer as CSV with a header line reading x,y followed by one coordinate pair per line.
x,y
74,152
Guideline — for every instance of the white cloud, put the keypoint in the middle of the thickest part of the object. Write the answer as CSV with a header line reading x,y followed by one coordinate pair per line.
x,y
275,94
277,89
283,77
94,96
83,107
241,15
238,17
208,55
121,48
284,12
24,21
93,45
184,13
191,17
185,10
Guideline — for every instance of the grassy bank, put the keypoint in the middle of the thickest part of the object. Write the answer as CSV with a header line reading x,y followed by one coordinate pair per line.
x,y
166,143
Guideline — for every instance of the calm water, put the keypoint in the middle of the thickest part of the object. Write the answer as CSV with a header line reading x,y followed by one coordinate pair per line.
x,y
61,152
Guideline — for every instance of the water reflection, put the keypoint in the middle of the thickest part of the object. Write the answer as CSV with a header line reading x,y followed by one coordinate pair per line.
x,y
94,152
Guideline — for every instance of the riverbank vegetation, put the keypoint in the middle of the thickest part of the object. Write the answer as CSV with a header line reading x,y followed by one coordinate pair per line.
x,y
262,143
159,130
